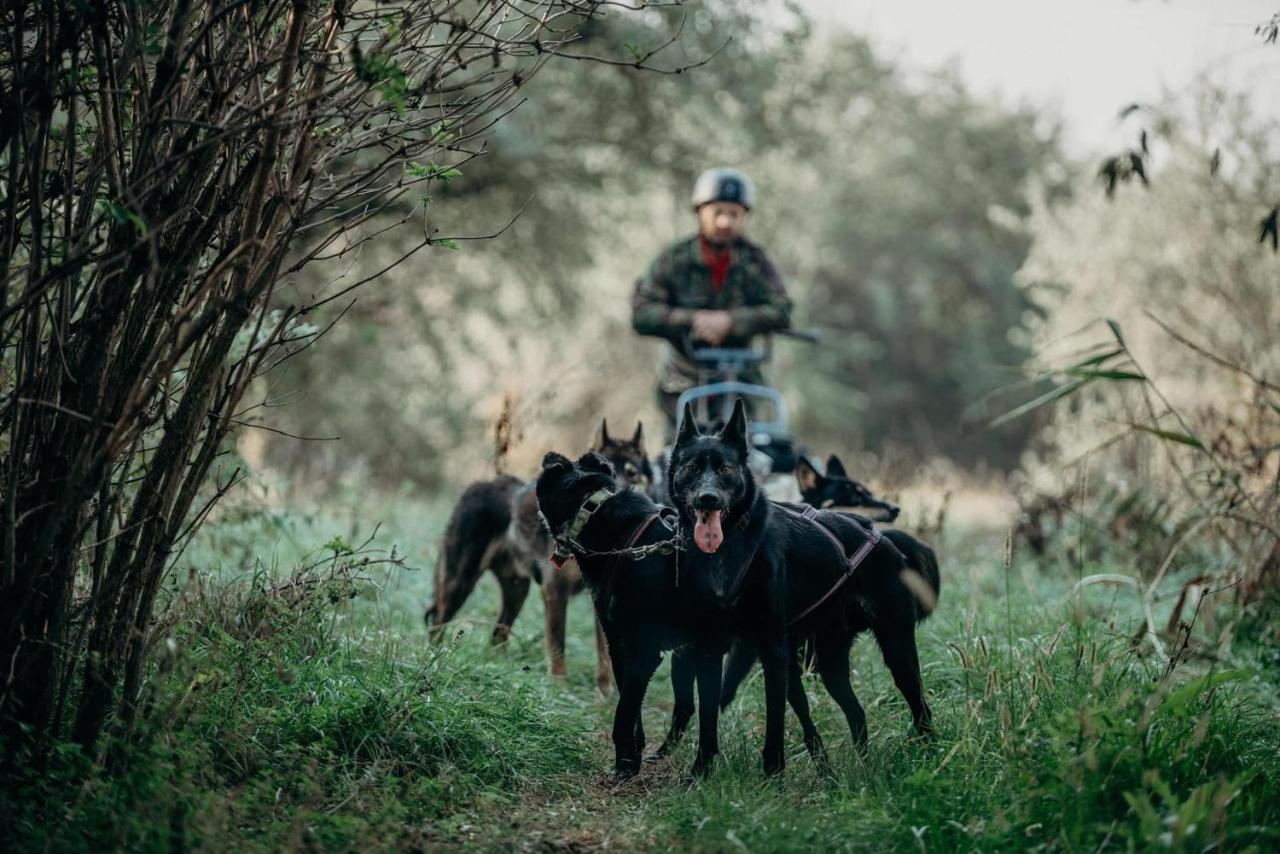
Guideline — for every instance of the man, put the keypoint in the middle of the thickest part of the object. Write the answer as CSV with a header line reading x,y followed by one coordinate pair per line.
x,y
715,289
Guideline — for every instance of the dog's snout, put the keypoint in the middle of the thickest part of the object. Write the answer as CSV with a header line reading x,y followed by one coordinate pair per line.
x,y
893,510
707,499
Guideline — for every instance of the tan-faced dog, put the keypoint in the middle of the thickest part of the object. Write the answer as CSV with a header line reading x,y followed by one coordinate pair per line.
x,y
495,527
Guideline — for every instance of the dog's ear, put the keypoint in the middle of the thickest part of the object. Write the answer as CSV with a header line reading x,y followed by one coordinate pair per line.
x,y
688,426
638,438
806,475
602,441
735,432
594,462
835,468
554,460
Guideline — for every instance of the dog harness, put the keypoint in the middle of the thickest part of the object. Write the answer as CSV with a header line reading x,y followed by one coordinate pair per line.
x,y
567,542
851,562
569,539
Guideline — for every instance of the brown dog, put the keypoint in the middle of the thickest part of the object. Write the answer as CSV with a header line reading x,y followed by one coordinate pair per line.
x,y
495,527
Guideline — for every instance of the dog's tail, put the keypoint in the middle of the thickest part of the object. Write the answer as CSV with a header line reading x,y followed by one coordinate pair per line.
x,y
432,614
921,575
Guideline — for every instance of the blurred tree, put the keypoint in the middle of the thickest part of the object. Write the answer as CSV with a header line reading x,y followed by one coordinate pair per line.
x,y
895,208
922,230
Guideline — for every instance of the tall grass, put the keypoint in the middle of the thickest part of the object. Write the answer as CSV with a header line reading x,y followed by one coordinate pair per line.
x,y
305,709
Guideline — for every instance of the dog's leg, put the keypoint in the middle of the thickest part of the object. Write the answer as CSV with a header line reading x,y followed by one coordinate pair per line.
x,y
898,647
638,736
708,663
555,602
833,667
514,586
604,670
684,672
774,659
633,681
800,705
739,663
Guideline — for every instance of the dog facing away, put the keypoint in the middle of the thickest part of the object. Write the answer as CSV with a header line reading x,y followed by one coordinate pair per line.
x,y
495,528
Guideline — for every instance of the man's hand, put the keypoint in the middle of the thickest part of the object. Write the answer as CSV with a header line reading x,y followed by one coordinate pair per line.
x,y
712,326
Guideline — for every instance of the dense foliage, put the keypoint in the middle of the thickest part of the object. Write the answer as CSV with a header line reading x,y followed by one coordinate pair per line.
x,y
895,206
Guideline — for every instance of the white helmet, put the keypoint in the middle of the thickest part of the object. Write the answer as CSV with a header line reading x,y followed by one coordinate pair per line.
x,y
724,185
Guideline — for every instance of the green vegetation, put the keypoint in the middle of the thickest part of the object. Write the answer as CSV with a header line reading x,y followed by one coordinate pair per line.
x,y
304,708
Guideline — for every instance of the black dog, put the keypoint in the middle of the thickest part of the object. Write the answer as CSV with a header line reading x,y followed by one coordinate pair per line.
x,y
638,598
837,491
645,601
919,578
761,564
657,602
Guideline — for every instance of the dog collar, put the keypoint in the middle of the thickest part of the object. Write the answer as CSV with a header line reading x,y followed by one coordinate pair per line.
x,y
569,539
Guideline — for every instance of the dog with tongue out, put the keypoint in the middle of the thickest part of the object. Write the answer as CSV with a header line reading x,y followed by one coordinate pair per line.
x,y
735,575
709,479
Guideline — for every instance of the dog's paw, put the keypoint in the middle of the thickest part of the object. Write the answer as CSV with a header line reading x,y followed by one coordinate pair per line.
x,y
817,750
619,774
773,762
702,767
664,750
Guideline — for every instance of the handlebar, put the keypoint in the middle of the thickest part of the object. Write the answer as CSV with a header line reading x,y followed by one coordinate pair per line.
x,y
813,336
724,358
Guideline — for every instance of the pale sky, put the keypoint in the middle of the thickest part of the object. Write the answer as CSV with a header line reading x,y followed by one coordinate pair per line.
x,y
1088,58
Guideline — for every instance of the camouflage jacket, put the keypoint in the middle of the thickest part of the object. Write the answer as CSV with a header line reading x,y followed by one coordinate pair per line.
x,y
678,283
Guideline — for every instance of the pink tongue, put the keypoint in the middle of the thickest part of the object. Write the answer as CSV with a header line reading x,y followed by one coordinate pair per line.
x,y
707,533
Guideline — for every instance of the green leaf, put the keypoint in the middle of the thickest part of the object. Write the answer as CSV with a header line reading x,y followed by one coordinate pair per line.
x,y
338,545
446,243
122,215
1046,398
1106,375
1181,438
431,170
1115,330
1180,701
1096,360
635,50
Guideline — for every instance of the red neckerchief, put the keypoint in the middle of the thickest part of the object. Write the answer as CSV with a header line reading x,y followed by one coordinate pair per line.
x,y
717,261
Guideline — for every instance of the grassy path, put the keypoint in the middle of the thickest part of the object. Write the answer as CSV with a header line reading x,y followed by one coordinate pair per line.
x,y
314,715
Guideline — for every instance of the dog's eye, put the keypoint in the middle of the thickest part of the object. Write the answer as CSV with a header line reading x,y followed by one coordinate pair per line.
x,y
726,469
